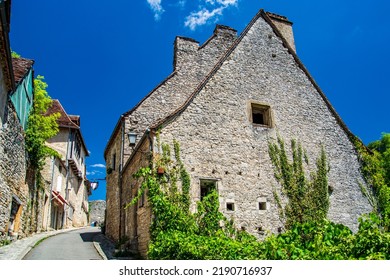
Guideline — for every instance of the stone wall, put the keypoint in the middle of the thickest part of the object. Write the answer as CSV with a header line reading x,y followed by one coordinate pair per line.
x,y
13,176
191,64
136,219
113,190
97,211
219,142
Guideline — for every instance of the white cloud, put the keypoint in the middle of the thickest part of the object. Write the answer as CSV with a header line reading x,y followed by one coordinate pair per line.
x,y
215,8
157,8
196,19
99,165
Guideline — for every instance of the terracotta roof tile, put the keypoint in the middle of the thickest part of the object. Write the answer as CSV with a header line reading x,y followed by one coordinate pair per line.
x,y
21,66
64,120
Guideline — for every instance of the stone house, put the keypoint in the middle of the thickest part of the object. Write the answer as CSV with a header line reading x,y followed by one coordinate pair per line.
x,y
66,184
224,102
17,216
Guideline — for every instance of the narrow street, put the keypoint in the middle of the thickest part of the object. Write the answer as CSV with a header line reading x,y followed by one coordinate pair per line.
x,y
73,245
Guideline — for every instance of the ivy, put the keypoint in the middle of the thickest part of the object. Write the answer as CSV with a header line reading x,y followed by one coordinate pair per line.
x,y
308,198
176,233
375,169
40,126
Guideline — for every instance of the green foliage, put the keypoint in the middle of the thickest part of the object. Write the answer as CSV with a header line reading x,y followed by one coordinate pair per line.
x,y
15,54
383,147
5,242
178,234
376,171
40,127
308,199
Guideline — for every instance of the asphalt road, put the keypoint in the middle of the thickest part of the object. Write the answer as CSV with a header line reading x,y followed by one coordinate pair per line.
x,y
73,245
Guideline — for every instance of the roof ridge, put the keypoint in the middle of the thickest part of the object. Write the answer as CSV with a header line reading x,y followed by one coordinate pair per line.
x,y
216,67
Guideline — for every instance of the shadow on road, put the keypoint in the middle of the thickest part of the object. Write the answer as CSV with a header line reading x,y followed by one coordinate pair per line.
x,y
89,236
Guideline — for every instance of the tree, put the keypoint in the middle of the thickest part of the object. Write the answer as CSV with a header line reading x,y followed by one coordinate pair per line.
x,y
383,147
40,126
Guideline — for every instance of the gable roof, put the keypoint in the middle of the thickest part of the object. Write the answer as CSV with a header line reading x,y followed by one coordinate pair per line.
x,y
67,121
21,66
64,120
267,17
167,79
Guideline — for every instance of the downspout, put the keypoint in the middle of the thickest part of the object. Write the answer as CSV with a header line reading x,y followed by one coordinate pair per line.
x,y
121,218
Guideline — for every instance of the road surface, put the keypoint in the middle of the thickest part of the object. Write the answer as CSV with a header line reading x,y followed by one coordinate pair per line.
x,y
73,245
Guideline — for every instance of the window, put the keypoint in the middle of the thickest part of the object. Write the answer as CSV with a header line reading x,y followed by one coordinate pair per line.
x,y
230,206
260,114
263,205
206,186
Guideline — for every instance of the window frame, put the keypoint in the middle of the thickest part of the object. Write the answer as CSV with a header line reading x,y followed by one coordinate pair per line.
x,y
261,107
206,180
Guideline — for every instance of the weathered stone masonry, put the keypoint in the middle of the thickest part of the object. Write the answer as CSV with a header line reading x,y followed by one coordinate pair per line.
x,y
191,63
220,141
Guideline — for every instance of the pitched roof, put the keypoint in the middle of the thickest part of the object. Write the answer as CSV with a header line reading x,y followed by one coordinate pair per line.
x,y
21,67
67,121
267,17
64,120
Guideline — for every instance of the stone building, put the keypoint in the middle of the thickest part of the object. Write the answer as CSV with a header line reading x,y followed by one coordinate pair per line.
x,y
66,184
224,102
17,194
97,211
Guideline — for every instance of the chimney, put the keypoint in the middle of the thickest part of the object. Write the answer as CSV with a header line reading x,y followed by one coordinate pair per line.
x,y
285,28
225,30
185,51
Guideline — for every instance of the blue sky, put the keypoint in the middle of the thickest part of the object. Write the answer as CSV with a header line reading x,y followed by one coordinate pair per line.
x,y
100,58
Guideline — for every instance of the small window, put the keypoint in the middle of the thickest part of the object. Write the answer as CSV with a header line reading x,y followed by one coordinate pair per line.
x,y
206,186
230,206
261,114
263,205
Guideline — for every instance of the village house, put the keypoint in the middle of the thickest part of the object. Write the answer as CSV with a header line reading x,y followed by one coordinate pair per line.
x,y
66,184
17,218
224,102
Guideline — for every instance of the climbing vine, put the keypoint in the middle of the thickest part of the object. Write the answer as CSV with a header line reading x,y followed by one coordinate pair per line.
x,y
176,233
308,198
40,126
376,175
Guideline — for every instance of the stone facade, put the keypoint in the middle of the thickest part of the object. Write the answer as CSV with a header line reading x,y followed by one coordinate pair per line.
x,y
19,199
255,90
191,64
97,211
66,182
15,197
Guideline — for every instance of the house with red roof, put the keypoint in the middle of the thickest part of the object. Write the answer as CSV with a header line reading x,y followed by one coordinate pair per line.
x,y
66,181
